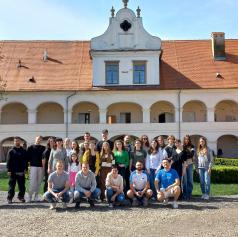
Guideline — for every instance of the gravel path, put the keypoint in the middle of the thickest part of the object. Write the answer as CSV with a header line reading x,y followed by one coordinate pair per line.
x,y
218,217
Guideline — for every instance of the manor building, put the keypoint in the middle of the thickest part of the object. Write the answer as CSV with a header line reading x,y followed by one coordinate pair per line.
x,y
125,80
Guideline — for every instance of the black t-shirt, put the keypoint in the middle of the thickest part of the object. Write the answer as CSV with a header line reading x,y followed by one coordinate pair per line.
x,y
34,154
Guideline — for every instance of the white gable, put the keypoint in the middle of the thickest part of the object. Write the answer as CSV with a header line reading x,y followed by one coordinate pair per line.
x,y
135,38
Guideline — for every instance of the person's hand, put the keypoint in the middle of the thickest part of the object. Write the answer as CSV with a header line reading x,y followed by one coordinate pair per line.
x,y
113,198
209,171
60,194
148,171
87,194
139,194
48,171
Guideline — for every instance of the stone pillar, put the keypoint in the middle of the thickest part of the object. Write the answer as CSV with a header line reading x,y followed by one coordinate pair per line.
x,y
0,116
210,114
67,115
212,145
177,113
103,116
32,116
146,115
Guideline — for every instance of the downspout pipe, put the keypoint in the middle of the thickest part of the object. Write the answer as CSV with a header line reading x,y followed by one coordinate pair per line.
x,y
179,110
67,110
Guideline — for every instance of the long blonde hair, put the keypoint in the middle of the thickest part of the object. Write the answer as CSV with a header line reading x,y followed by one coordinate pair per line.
x,y
199,147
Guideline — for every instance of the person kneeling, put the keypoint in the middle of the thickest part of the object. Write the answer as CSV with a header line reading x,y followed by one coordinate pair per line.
x,y
85,186
139,186
58,186
168,181
114,185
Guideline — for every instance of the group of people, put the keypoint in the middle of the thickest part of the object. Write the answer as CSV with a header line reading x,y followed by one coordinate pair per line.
x,y
106,171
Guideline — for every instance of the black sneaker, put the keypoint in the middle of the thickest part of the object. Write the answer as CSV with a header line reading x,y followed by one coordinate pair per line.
x,y
21,199
9,201
77,205
91,202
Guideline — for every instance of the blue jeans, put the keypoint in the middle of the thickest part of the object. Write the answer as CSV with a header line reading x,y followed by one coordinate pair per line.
x,y
94,195
120,198
49,197
152,180
188,182
204,181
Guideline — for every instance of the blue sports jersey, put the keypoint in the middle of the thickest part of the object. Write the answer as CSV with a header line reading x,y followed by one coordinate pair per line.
x,y
166,178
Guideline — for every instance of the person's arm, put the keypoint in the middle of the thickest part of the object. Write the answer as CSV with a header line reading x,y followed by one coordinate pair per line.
x,y
108,183
176,183
50,185
211,161
50,163
77,184
147,163
97,163
9,162
156,183
93,182
66,188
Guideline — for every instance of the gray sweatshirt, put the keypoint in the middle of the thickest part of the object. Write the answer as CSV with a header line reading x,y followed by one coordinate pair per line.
x,y
56,155
85,183
204,161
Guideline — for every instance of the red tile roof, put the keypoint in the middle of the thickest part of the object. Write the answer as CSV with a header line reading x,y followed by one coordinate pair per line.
x,y
185,64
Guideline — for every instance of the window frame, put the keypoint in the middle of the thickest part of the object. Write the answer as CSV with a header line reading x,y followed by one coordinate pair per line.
x,y
140,63
111,63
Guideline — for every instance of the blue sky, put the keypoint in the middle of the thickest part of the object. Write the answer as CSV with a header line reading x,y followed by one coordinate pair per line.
x,y
84,19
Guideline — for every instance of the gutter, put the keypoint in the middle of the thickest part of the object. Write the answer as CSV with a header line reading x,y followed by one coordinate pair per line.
x,y
179,110
67,110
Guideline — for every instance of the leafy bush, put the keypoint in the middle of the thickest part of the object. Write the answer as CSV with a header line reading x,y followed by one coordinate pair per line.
x,y
222,174
226,161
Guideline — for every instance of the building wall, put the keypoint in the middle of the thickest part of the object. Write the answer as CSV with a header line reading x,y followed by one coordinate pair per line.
x,y
104,99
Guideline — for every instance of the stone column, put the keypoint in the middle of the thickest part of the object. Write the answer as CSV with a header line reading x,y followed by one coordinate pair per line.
x,y
146,115
177,113
103,116
67,115
210,114
32,116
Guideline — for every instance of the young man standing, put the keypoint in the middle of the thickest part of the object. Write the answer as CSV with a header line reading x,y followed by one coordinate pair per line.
x,y
114,185
16,168
34,154
104,139
167,183
139,186
58,186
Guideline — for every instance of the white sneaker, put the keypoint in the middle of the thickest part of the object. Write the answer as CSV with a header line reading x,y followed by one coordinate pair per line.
x,y
37,199
166,200
64,205
29,199
206,197
203,196
52,206
175,205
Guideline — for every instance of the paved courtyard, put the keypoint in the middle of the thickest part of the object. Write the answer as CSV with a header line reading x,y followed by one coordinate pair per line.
x,y
218,217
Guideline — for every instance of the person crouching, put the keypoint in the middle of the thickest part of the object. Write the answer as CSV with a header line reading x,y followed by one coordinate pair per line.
x,y
58,186
85,186
140,191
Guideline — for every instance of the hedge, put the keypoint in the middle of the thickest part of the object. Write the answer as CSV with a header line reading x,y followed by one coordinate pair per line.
x,y
226,161
222,174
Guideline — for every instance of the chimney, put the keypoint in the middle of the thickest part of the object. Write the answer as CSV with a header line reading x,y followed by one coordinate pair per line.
x,y
218,46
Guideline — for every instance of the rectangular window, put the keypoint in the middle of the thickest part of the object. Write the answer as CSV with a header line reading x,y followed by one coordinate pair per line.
x,y
125,117
112,72
139,72
84,118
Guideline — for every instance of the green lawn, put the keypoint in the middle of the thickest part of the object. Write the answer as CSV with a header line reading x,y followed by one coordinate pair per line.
x,y
216,189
